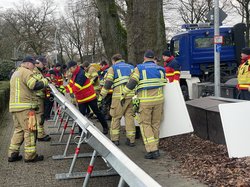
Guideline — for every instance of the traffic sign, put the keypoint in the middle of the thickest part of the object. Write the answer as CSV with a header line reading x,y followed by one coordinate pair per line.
x,y
210,16
218,48
218,39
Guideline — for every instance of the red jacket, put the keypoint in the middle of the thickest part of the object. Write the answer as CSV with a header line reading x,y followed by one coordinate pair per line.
x,y
81,86
172,68
58,77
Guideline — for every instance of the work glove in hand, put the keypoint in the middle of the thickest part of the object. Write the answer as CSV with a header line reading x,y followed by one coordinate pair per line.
x,y
32,120
61,89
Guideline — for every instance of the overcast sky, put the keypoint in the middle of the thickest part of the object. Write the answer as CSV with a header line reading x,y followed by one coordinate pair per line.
x,y
10,3
231,20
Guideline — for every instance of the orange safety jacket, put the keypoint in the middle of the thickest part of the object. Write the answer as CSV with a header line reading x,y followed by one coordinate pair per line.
x,y
244,75
81,86
58,77
172,69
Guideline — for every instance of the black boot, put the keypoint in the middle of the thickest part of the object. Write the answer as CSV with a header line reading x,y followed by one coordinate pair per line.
x,y
36,159
152,155
105,130
46,138
15,157
128,143
116,142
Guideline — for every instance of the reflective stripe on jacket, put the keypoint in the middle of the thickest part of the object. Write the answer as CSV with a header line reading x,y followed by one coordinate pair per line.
x,y
81,86
118,75
151,79
172,69
244,76
58,77
22,96
39,76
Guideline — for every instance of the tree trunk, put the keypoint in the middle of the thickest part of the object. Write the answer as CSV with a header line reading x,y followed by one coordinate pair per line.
x,y
145,29
247,24
113,35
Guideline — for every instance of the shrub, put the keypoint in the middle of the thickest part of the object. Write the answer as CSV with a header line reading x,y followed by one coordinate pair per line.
x,y
5,68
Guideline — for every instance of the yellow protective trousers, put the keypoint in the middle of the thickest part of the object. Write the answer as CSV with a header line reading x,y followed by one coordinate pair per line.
x,y
116,112
149,118
21,133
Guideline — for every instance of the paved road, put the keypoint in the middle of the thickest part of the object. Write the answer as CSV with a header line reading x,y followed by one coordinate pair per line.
x,y
163,170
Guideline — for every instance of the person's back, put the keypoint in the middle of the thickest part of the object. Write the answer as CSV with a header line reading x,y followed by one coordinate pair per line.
x,y
25,98
117,77
149,79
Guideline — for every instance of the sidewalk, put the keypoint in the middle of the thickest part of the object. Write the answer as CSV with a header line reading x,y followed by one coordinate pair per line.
x,y
163,170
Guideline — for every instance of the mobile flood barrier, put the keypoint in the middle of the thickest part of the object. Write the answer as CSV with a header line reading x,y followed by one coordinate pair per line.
x,y
130,174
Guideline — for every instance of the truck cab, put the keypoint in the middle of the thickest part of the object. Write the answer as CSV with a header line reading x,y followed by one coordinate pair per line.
x,y
194,50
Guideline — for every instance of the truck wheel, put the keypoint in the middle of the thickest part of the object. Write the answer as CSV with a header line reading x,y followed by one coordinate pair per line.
x,y
184,90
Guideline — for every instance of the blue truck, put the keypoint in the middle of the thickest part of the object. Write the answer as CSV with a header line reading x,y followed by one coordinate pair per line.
x,y
194,50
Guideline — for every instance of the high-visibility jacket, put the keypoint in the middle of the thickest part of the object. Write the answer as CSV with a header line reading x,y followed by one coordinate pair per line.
x,y
172,69
103,76
38,75
22,96
149,79
244,75
81,86
117,77
92,74
58,77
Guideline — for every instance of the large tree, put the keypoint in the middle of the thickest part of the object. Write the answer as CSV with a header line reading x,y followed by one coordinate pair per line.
x,y
113,34
31,27
145,28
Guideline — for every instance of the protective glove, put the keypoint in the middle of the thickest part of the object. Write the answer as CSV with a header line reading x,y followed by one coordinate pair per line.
x,y
38,76
32,120
122,100
61,89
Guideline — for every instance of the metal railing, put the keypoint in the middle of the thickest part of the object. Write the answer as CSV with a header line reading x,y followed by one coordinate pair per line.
x,y
130,173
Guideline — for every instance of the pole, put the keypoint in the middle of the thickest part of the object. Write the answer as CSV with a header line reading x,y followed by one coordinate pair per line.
x,y
216,50
55,46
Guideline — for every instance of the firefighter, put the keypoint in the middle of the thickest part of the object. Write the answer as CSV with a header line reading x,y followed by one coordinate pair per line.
x,y
58,75
117,77
149,79
92,74
106,103
38,73
243,76
84,93
23,103
49,98
172,67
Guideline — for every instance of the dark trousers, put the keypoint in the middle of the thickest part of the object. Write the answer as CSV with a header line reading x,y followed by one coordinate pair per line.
x,y
105,107
245,95
93,105
48,103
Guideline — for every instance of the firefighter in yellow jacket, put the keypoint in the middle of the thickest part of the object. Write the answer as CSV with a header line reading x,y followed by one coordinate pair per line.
x,y
38,74
243,76
149,79
23,103
92,74
117,76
